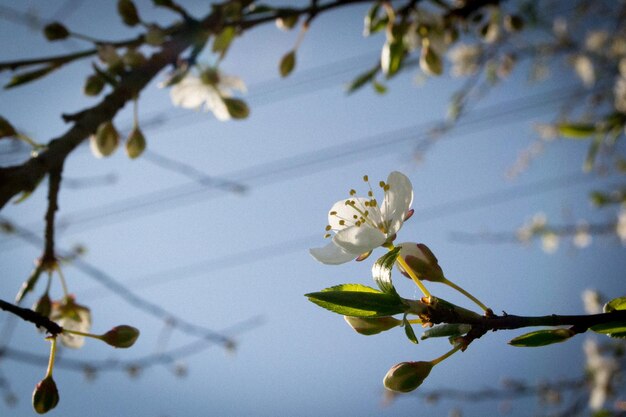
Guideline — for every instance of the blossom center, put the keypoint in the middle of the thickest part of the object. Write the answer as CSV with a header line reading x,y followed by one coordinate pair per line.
x,y
362,212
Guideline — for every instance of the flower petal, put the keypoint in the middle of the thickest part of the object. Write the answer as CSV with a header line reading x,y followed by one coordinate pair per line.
x,y
331,254
397,201
347,212
188,93
358,240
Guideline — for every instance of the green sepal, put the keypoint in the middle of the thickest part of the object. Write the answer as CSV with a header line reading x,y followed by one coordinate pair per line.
x,y
358,300
362,79
576,130
28,76
381,271
392,56
408,330
447,330
542,338
29,284
223,40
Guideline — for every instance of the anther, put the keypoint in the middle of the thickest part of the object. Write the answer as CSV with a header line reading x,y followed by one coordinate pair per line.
x,y
366,178
328,228
342,222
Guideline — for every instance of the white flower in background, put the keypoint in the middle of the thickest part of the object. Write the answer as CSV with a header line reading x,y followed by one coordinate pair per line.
x,y
465,59
602,370
592,301
363,224
559,27
622,67
71,316
582,237
550,242
620,227
619,94
208,89
596,40
584,69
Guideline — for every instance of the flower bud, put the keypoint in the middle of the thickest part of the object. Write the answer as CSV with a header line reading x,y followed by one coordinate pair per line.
x,y
128,12
133,58
422,261
238,109
43,306
154,36
121,336
55,31
406,376
93,85
45,396
6,128
374,325
105,141
136,143
287,22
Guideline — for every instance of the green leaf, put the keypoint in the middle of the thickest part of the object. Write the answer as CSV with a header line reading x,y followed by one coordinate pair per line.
x,y
542,338
408,330
223,40
381,271
576,130
615,304
362,79
615,329
446,330
358,300
26,77
590,159
287,63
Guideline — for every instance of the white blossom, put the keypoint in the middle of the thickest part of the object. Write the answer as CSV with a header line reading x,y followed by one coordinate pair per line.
x,y
592,301
585,70
362,224
602,370
550,242
620,227
465,59
208,89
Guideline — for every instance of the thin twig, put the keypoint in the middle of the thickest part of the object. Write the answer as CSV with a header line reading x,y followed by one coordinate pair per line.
x,y
29,315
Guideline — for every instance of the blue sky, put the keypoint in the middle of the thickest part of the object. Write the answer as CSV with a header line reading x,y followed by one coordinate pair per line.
x,y
218,258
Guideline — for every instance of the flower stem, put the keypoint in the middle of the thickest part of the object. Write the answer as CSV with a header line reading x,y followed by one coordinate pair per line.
x,y
413,276
446,355
62,279
76,332
465,293
53,352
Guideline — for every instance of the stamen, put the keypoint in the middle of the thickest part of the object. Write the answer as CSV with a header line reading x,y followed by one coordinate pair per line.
x,y
327,235
386,187
352,192
333,213
328,228
342,222
366,178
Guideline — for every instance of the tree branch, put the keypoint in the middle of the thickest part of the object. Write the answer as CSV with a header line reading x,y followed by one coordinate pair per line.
x,y
29,315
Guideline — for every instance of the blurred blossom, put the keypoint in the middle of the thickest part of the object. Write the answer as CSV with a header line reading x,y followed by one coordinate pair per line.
x,y
549,242
465,59
546,131
559,27
592,301
596,40
602,370
620,229
584,69
582,238
619,93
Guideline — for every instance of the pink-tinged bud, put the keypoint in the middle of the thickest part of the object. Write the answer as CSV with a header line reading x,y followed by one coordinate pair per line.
x,y
121,336
45,396
406,376
374,325
422,261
